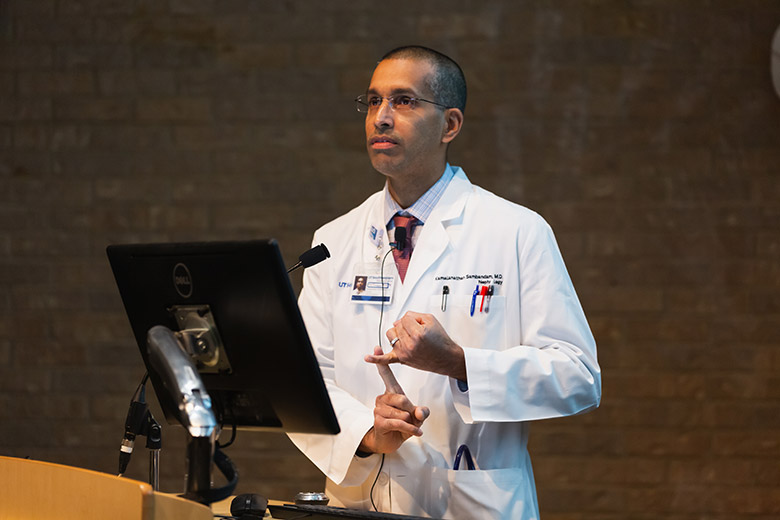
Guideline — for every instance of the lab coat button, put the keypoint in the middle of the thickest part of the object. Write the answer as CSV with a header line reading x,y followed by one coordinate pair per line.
x,y
383,478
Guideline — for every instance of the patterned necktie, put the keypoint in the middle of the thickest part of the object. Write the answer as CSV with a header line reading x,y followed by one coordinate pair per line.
x,y
403,255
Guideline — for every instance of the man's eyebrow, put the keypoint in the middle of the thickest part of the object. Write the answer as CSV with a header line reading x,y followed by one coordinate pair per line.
x,y
395,91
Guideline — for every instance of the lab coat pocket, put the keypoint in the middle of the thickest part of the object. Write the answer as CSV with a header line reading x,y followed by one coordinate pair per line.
x,y
486,329
469,494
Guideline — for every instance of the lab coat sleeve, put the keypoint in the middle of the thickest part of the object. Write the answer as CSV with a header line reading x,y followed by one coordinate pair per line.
x,y
554,371
334,455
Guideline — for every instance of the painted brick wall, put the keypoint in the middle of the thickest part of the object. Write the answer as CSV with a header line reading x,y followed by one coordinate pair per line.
x,y
647,133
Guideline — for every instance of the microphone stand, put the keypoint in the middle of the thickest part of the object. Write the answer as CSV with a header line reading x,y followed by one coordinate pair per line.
x,y
140,421
154,444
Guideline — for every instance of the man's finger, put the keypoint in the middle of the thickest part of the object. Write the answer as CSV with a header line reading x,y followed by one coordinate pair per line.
x,y
379,357
398,425
383,359
391,383
392,336
403,331
391,412
418,317
412,324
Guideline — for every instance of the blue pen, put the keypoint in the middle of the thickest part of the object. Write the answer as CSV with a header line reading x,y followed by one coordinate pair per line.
x,y
474,300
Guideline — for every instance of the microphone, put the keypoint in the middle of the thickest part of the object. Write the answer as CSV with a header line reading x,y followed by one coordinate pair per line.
x,y
400,238
313,256
134,425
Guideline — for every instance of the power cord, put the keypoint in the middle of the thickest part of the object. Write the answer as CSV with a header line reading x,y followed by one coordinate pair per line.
x,y
232,434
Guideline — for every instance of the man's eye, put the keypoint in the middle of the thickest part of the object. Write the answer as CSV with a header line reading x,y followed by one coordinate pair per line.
x,y
403,101
374,101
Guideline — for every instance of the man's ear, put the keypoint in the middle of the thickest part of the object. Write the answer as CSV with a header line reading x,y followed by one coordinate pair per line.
x,y
453,122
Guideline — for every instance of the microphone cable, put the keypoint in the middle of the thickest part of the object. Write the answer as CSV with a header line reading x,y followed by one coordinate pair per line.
x,y
400,239
382,300
135,424
381,314
393,245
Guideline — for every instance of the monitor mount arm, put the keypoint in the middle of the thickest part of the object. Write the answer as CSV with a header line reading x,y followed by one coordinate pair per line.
x,y
180,378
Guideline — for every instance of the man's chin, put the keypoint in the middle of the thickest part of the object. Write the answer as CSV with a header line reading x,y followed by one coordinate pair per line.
x,y
384,164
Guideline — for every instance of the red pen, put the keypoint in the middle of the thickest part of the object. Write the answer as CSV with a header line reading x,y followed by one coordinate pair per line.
x,y
482,292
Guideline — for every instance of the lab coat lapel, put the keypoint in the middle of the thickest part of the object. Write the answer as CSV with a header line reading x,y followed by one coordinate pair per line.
x,y
435,236
373,251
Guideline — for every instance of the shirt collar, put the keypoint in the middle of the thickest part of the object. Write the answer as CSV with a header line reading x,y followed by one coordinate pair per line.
x,y
422,207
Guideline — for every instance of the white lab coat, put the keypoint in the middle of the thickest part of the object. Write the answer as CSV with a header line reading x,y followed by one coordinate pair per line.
x,y
531,356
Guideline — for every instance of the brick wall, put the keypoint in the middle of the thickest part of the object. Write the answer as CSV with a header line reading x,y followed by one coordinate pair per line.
x,y
647,133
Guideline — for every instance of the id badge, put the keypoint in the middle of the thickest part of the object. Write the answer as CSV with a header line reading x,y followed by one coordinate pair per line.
x,y
369,287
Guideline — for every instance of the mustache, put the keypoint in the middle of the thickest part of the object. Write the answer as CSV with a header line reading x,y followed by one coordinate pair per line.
x,y
377,138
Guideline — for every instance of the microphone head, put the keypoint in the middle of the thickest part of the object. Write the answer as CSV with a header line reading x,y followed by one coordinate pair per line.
x,y
315,255
400,238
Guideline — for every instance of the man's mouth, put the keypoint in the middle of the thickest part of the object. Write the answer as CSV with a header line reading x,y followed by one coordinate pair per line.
x,y
381,142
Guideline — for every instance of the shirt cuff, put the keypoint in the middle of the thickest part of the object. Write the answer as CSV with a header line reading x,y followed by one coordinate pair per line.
x,y
362,454
460,399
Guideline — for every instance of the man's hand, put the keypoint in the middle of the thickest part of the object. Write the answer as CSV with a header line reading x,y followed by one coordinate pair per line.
x,y
395,417
395,420
423,344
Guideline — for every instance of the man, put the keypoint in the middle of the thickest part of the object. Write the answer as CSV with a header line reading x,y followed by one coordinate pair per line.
x,y
360,284
487,332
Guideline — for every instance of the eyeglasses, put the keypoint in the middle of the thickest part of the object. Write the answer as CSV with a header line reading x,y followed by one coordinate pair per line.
x,y
401,102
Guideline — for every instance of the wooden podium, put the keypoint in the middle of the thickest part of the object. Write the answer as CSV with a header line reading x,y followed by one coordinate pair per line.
x,y
34,490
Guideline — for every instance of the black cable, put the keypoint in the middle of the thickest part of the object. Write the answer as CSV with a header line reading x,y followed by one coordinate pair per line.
x,y
381,315
136,423
232,435
371,493
382,285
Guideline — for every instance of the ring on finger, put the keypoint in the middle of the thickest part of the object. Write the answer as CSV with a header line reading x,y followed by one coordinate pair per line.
x,y
394,341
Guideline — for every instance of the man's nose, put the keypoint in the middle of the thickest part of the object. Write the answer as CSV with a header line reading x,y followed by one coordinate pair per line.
x,y
384,114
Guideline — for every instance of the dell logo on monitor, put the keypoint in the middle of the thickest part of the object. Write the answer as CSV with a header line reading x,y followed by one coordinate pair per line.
x,y
182,280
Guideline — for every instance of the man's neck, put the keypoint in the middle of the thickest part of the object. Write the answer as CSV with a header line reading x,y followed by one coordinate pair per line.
x,y
407,190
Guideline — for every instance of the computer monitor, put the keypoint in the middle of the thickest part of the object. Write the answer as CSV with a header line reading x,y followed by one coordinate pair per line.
x,y
262,374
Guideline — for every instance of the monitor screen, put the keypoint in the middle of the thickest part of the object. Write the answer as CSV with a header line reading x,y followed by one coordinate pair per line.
x,y
253,352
